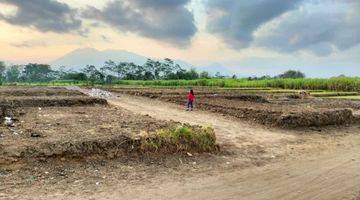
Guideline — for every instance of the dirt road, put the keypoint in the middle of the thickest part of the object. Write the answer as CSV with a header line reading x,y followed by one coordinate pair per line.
x,y
331,176
334,174
228,131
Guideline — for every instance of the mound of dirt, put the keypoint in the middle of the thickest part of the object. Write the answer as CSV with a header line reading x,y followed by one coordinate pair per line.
x,y
16,102
97,130
38,91
244,97
316,118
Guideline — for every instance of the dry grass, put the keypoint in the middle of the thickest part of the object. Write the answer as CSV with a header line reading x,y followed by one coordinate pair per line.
x,y
183,138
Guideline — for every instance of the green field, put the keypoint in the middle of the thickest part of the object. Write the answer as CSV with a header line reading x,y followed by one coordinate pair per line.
x,y
332,84
357,97
333,94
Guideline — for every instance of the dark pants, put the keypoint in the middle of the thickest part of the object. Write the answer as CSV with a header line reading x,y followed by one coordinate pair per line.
x,y
190,104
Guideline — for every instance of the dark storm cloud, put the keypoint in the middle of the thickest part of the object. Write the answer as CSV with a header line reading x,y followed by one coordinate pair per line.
x,y
235,21
315,28
44,15
166,20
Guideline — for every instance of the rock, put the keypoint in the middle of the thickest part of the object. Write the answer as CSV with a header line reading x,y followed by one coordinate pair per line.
x,y
35,134
8,121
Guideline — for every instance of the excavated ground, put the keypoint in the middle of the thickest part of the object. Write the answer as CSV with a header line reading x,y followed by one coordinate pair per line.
x,y
79,131
277,109
58,123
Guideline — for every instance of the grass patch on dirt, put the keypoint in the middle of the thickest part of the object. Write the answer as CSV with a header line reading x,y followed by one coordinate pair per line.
x,y
357,97
333,94
182,138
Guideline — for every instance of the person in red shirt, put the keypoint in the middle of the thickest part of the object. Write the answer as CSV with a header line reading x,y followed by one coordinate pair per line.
x,y
190,100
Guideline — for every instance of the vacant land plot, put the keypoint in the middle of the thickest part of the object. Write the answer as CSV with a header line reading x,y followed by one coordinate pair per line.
x,y
76,125
57,143
288,110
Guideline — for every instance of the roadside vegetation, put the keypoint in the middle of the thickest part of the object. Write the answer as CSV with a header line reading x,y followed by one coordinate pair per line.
x,y
336,84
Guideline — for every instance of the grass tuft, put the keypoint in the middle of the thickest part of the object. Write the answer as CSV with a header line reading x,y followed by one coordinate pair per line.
x,y
182,138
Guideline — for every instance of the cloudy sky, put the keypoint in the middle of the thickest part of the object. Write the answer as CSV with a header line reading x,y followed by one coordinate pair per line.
x,y
258,36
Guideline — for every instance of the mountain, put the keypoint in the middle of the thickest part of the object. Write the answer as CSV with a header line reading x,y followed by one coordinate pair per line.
x,y
79,58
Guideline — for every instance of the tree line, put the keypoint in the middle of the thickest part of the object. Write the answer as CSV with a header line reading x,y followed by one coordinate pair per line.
x,y
112,71
108,73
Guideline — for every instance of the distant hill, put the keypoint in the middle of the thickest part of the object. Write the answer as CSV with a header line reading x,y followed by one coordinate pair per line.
x,y
79,58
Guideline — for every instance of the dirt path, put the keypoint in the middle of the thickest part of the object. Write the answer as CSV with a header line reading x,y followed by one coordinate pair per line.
x,y
228,131
331,175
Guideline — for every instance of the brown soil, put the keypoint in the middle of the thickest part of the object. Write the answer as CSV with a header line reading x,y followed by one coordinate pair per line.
x,y
37,91
78,126
256,162
16,102
268,109
79,131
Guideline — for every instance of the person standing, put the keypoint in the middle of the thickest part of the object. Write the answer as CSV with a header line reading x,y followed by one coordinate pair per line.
x,y
190,100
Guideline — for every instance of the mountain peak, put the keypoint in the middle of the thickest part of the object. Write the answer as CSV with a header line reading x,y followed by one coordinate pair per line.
x,y
81,57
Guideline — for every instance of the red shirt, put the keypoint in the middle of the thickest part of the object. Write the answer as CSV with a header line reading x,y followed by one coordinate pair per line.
x,y
190,97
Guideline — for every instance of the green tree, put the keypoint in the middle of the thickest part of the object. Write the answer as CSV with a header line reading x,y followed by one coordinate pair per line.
x,y
191,74
76,76
93,74
204,75
218,75
118,69
13,73
154,67
292,74
37,73
2,71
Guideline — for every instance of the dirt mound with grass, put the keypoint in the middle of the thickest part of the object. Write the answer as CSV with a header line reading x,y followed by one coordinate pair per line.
x,y
180,138
96,130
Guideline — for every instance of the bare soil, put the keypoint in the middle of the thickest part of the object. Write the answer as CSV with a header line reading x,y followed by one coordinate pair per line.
x,y
267,109
37,91
75,131
255,161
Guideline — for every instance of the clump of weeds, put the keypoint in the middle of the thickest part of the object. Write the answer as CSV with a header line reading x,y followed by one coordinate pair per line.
x,y
181,138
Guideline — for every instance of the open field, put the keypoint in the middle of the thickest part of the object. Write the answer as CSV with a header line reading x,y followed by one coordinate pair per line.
x,y
357,97
332,84
140,143
272,109
338,84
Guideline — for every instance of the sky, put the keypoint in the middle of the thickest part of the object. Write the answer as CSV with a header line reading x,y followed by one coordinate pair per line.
x,y
254,37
